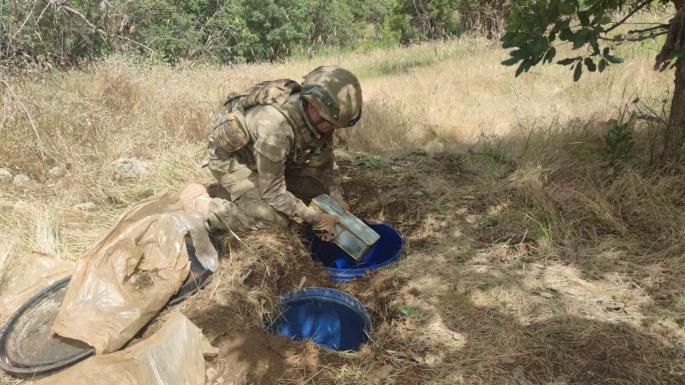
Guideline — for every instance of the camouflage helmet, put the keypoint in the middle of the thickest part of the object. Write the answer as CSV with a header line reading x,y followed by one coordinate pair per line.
x,y
335,93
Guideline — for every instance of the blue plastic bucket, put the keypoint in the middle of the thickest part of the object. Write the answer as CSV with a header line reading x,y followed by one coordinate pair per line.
x,y
342,267
331,318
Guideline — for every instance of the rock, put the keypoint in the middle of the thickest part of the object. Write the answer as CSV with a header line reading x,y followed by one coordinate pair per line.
x,y
57,171
678,353
211,375
87,206
5,175
129,168
20,179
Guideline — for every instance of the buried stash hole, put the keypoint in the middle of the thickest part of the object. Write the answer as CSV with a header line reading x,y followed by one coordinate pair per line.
x,y
341,267
331,318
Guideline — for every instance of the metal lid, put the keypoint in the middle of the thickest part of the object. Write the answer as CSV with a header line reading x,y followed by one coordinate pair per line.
x,y
27,345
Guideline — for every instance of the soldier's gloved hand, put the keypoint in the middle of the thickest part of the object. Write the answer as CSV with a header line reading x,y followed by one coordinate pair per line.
x,y
324,227
344,205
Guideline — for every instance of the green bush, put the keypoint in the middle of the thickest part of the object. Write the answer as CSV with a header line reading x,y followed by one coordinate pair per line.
x,y
226,31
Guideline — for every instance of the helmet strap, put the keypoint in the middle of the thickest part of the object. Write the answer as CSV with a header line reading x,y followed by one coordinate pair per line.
x,y
319,92
309,117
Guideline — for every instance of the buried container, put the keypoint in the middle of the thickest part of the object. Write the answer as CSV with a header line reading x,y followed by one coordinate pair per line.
x,y
341,267
330,318
354,235
29,348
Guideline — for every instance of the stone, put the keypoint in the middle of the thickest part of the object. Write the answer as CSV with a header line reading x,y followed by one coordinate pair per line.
x,y
5,175
57,171
86,206
129,168
211,375
21,179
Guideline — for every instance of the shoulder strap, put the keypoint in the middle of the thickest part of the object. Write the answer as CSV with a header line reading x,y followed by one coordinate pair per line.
x,y
276,91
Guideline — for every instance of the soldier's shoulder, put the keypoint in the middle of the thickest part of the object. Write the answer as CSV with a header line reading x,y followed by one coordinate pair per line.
x,y
268,122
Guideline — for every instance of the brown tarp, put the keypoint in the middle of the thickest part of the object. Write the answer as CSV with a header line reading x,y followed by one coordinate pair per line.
x,y
29,275
172,356
129,275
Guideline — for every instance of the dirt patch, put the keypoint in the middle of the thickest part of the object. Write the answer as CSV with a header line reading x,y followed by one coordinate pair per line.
x,y
247,353
141,282
260,266
387,196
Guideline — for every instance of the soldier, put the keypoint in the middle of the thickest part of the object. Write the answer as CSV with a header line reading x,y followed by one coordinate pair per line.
x,y
272,151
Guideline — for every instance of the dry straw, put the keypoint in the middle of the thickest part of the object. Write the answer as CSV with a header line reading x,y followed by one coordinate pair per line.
x,y
531,256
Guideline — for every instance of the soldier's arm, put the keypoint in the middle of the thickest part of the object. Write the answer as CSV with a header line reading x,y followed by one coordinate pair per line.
x,y
271,150
328,169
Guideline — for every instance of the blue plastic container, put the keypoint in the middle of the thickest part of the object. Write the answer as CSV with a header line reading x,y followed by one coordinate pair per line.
x,y
331,318
342,267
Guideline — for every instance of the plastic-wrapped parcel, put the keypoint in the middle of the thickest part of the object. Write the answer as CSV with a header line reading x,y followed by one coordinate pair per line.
x,y
172,356
121,283
30,274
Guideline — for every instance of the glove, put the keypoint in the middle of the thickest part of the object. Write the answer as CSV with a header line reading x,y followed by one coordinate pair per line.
x,y
342,203
325,227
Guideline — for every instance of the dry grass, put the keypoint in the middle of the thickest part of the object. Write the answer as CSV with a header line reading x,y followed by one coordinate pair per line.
x,y
552,262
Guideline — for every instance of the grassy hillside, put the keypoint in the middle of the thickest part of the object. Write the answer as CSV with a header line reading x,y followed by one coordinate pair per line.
x,y
533,254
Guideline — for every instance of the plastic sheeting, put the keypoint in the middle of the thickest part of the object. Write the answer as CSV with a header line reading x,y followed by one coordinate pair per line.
x,y
173,355
29,275
129,275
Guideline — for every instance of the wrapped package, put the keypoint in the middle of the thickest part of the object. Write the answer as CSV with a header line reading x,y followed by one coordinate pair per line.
x,y
121,283
173,355
30,274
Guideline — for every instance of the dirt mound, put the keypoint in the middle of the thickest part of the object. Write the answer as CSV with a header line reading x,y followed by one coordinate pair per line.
x,y
259,266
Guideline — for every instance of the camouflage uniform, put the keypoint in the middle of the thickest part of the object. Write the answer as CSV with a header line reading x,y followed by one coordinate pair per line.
x,y
268,180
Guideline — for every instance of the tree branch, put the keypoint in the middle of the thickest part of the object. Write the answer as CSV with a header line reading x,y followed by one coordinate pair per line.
x,y
673,40
25,20
660,26
623,39
14,96
100,31
631,13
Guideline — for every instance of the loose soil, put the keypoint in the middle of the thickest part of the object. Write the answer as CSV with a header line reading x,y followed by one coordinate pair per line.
x,y
433,321
231,308
470,300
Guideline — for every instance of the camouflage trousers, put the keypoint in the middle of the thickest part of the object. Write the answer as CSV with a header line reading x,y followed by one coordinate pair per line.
x,y
250,212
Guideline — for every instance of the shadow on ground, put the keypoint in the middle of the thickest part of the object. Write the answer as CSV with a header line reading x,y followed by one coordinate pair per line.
x,y
471,301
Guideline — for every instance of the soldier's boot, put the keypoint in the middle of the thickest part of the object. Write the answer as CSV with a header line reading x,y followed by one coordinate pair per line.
x,y
197,194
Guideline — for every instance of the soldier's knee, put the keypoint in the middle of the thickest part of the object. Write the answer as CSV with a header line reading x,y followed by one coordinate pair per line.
x,y
284,222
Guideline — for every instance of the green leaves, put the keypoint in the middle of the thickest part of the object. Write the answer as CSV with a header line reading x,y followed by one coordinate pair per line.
x,y
367,160
410,312
619,142
535,28
440,206
488,222
613,59
578,72
566,8
549,56
510,61
565,62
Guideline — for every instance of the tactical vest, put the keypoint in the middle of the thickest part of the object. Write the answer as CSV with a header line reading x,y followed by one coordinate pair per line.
x,y
281,94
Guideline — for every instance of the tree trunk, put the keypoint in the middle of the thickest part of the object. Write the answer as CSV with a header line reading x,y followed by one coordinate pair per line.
x,y
674,135
15,27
